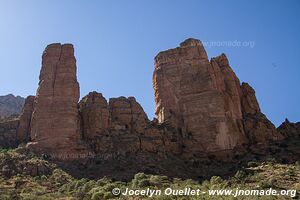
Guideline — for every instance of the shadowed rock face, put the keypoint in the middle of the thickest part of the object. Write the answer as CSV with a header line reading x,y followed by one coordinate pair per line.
x,y
23,131
55,126
289,129
258,128
249,101
8,133
10,105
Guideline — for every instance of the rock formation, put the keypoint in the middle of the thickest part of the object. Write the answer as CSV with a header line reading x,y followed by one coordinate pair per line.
x,y
55,126
8,133
204,99
128,113
23,131
289,129
258,128
114,127
95,118
201,107
10,105
199,97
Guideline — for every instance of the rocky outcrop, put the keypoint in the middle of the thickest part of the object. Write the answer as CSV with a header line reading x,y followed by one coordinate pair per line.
x,y
55,126
95,117
8,133
249,102
201,107
289,129
200,97
127,113
113,128
206,102
23,131
10,105
258,128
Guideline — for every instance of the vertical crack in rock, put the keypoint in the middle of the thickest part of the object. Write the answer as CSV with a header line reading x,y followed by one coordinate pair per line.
x,y
55,119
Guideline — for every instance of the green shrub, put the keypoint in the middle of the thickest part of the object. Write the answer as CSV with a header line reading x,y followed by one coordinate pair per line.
x,y
215,180
144,183
141,180
97,196
240,175
265,184
140,176
44,178
159,181
108,195
103,181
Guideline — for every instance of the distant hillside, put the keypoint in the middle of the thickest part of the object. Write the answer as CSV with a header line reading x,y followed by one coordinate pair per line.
x,y
10,105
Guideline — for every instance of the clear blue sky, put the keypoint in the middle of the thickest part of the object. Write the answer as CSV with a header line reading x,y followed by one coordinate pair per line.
x,y
116,41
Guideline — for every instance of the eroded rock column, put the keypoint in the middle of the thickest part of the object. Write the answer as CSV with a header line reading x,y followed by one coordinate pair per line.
x,y
55,126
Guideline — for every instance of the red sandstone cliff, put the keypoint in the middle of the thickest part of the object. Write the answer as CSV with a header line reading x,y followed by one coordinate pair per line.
x,y
55,127
204,99
201,107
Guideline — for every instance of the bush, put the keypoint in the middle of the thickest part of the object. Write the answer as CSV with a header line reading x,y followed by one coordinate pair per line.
x,y
44,177
156,180
103,181
215,180
140,176
97,196
141,180
108,195
240,175
267,184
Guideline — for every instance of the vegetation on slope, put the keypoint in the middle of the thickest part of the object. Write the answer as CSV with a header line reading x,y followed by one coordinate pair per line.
x,y
25,176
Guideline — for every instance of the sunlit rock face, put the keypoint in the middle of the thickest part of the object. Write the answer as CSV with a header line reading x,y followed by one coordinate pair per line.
x,y
201,107
55,126
205,100
95,117
200,97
